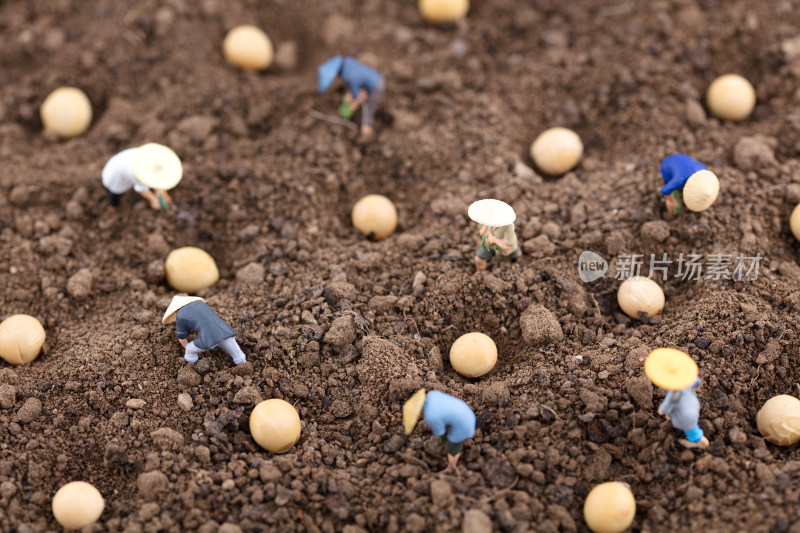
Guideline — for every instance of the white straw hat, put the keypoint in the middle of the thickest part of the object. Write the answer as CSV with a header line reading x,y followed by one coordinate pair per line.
x,y
176,303
157,166
493,213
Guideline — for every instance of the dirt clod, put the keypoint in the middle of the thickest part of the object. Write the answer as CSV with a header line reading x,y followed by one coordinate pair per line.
x,y
540,326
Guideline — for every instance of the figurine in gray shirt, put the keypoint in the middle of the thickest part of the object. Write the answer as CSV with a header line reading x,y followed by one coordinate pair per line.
x,y
191,313
677,372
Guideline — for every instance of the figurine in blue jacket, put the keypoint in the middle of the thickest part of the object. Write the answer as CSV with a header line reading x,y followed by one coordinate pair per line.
x,y
449,418
365,88
700,186
192,313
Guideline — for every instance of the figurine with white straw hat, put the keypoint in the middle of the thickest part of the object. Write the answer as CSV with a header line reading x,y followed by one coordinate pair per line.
x,y
700,186
497,230
192,313
150,166
449,418
675,371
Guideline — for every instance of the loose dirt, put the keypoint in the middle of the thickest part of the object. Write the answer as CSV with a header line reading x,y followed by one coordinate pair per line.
x,y
346,329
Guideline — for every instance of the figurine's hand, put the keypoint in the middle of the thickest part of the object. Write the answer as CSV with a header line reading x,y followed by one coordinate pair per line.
x,y
183,342
154,203
348,96
362,96
165,195
354,105
484,229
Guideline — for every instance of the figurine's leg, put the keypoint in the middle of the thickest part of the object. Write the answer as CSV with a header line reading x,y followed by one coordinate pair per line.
x,y
454,450
370,107
696,435
230,345
114,199
482,255
515,254
192,352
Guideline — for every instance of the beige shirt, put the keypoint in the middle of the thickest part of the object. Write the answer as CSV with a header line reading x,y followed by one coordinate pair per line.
x,y
507,235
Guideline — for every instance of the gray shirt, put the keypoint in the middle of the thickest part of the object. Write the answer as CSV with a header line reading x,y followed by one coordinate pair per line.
x,y
683,407
200,318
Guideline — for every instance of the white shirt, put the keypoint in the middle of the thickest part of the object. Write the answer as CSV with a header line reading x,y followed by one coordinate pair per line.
x,y
118,176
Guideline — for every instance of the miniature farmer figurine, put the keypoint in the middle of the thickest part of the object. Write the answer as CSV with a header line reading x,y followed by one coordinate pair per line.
x,y
700,185
675,371
191,313
449,418
365,88
150,166
497,231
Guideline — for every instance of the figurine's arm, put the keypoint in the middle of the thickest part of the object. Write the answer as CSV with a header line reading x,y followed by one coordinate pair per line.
x,y
438,427
666,406
498,242
151,197
484,229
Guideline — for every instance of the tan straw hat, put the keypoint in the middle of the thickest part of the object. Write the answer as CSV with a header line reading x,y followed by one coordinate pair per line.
x,y
493,213
670,369
157,166
412,410
176,303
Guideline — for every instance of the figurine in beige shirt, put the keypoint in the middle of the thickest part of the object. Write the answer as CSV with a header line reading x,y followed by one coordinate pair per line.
x,y
497,231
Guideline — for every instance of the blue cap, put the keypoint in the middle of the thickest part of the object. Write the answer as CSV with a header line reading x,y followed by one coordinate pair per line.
x,y
327,72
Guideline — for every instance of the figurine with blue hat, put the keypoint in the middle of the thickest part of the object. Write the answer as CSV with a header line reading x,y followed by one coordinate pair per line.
x,y
497,231
365,88
700,186
449,418
151,170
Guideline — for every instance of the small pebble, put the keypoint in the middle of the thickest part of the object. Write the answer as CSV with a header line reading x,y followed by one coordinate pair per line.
x,y
135,403
185,402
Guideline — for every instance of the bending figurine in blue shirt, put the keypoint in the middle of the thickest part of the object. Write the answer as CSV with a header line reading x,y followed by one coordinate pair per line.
x,y
700,186
191,313
365,87
449,418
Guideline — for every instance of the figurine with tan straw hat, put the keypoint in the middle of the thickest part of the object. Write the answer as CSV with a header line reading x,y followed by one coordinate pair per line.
x,y
192,313
497,231
700,186
675,371
449,418
150,166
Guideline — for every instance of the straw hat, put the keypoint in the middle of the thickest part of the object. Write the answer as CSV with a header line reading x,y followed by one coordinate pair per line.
x,y
412,410
327,72
701,190
157,166
176,303
670,369
492,213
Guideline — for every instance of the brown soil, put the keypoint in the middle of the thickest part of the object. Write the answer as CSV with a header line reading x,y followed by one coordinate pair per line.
x,y
268,184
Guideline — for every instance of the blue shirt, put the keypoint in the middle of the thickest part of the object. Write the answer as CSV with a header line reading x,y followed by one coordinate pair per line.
x,y
200,318
676,170
683,407
358,76
443,413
